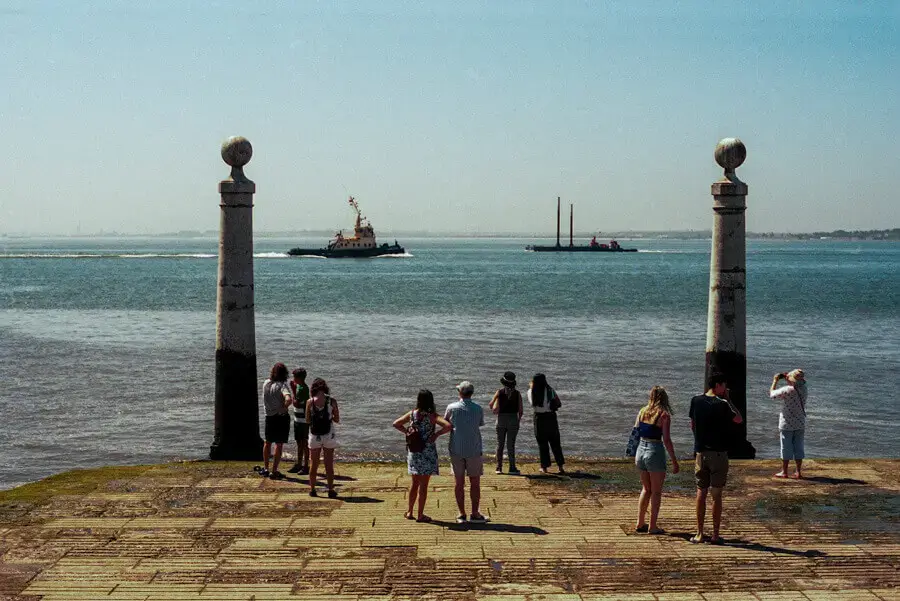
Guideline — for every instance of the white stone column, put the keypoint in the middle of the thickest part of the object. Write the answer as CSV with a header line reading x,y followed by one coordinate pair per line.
x,y
726,334
237,401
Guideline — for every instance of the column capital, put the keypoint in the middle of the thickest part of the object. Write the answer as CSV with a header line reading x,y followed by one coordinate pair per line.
x,y
729,187
231,187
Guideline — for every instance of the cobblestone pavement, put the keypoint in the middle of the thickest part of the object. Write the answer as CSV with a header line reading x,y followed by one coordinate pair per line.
x,y
218,531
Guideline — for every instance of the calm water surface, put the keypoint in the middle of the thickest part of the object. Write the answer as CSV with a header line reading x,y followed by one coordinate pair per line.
x,y
106,346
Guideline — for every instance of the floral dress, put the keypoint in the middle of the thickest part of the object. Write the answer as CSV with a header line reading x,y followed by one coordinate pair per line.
x,y
425,462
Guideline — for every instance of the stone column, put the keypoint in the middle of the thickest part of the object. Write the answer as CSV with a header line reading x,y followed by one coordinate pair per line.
x,y
237,400
726,334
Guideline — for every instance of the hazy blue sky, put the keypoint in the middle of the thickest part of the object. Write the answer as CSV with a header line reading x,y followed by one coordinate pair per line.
x,y
465,116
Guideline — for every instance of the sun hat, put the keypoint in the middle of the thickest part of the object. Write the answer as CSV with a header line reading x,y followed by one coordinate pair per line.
x,y
795,375
508,379
465,388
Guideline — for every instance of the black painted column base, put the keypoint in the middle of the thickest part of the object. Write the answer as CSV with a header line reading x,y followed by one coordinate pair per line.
x,y
237,408
236,450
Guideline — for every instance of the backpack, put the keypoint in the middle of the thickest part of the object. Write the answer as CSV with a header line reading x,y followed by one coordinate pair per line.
x,y
320,419
414,441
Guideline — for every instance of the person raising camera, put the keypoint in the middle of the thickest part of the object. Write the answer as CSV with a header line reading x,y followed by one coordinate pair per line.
x,y
791,419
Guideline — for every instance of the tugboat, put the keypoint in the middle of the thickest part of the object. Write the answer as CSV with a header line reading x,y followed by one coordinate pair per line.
x,y
361,245
594,246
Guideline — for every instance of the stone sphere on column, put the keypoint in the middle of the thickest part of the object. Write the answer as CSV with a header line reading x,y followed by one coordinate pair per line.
x,y
237,151
730,153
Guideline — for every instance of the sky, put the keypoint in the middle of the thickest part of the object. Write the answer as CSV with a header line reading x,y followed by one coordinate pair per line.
x,y
447,117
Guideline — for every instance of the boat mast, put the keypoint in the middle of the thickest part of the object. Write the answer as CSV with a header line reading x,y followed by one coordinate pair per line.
x,y
557,221
571,212
358,213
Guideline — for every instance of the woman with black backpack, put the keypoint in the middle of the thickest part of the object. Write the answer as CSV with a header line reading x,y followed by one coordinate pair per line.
x,y
421,429
321,414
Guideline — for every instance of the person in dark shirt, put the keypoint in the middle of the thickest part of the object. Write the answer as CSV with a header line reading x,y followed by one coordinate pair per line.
x,y
711,417
301,428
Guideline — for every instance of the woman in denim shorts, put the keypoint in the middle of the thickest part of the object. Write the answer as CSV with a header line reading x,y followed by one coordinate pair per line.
x,y
653,421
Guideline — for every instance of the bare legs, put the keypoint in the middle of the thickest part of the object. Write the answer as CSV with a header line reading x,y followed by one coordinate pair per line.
x,y
303,453
329,467
418,490
651,494
314,455
276,456
474,493
784,469
716,512
799,463
644,499
460,490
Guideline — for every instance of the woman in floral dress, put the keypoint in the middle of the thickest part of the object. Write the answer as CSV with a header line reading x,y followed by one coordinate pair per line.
x,y
423,464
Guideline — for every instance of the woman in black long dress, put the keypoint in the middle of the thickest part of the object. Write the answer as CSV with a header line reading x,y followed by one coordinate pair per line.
x,y
545,403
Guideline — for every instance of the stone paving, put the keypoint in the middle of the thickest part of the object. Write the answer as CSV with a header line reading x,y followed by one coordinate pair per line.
x,y
204,531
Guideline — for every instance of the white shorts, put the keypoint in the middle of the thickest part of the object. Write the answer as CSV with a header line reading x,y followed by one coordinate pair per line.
x,y
323,441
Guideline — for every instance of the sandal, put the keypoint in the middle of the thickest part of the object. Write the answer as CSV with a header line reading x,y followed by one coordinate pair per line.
x,y
657,531
717,540
313,493
276,475
642,529
332,494
408,515
697,539
423,519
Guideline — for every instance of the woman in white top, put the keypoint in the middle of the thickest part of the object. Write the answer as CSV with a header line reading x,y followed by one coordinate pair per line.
x,y
322,414
545,402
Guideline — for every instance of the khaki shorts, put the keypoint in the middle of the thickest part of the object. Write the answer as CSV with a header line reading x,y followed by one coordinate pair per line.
x,y
711,469
467,466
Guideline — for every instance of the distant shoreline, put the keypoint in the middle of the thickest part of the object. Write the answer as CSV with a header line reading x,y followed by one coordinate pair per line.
x,y
855,235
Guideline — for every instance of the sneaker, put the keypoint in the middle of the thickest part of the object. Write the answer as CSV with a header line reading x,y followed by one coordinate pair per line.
x,y
264,473
478,519
498,471
313,493
461,518
276,475
332,494
295,469
304,471
514,472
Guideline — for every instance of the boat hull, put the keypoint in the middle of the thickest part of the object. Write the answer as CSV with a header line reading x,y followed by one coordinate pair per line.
x,y
579,249
349,253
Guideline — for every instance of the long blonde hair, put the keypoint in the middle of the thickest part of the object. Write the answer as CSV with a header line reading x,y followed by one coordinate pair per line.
x,y
657,404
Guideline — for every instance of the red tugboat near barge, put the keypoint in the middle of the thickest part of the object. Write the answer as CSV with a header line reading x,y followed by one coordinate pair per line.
x,y
360,246
594,246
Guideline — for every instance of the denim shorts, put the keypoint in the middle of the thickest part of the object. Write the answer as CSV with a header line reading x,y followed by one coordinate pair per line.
x,y
792,444
650,456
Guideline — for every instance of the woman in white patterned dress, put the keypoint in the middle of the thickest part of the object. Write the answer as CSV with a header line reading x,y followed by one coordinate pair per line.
x,y
422,465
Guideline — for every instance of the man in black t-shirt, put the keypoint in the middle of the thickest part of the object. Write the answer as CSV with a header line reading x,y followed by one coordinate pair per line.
x,y
711,417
